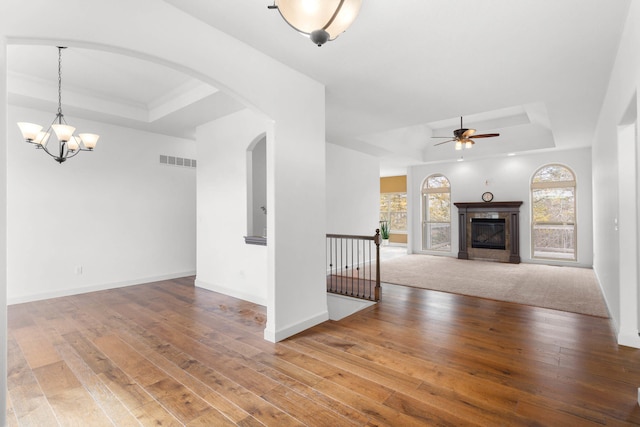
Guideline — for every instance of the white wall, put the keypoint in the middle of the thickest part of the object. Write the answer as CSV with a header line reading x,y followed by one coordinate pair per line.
x,y
353,191
115,213
156,31
619,109
226,263
3,230
509,179
295,103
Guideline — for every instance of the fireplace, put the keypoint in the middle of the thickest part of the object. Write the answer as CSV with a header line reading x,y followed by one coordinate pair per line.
x,y
488,233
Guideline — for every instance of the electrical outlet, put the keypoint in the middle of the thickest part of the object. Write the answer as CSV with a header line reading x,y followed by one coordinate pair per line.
x,y
78,269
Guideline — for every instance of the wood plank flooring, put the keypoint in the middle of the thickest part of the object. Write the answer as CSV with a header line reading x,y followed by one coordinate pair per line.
x,y
168,353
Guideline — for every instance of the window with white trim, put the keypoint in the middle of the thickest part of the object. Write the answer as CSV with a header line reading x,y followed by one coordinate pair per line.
x,y
393,210
436,214
553,213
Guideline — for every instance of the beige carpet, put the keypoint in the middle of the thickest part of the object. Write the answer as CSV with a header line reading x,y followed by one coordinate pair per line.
x,y
561,288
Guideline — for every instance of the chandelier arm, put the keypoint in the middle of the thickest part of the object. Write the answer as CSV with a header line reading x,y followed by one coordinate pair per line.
x,y
75,153
48,152
59,119
335,14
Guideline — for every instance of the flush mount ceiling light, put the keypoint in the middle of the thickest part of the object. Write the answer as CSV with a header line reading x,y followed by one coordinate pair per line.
x,y
320,20
69,145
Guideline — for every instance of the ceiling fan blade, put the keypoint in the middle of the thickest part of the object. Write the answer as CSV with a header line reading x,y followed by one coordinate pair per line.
x,y
443,142
467,133
485,135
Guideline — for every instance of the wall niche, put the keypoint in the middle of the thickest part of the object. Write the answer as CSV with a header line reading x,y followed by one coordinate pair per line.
x,y
257,192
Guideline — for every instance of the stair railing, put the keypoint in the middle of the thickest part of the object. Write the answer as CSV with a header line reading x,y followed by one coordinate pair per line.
x,y
353,265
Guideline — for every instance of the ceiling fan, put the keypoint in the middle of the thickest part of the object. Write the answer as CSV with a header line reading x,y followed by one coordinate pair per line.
x,y
464,137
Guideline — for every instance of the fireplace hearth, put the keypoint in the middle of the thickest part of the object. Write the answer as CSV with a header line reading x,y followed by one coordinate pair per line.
x,y
489,231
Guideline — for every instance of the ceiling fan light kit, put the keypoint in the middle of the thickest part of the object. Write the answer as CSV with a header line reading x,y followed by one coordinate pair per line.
x,y
320,20
69,145
463,137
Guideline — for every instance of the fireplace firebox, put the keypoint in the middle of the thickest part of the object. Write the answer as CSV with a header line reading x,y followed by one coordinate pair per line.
x,y
488,233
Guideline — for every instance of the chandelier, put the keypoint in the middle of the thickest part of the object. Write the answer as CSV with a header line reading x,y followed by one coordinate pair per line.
x,y
320,20
69,145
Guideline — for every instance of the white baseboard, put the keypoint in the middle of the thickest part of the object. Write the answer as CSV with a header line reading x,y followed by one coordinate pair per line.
x,y
630,339
342,306
616,327
231,292
94,288
286,332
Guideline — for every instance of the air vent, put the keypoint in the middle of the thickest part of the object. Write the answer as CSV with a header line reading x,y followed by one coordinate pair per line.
x,y
177,161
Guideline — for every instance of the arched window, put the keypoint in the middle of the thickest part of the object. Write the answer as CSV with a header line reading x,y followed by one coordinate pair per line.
x,y
436,214
553,213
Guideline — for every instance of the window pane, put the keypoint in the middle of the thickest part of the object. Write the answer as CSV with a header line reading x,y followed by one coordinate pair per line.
x,y
437,181
398,221
553,205
393,209
553,173
439,207
399,202
437,237
554,241
554,213
385,202
436,232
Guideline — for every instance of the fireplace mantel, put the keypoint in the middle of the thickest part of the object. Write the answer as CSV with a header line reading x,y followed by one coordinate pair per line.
x,y
509,210
488,206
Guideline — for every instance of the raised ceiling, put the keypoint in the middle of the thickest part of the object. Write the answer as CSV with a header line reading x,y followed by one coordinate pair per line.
x,y
536,72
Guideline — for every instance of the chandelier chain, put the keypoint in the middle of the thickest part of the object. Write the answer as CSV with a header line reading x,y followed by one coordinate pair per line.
x,y
60,80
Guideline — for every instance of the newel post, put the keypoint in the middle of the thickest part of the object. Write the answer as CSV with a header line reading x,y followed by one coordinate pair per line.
x,y
377,241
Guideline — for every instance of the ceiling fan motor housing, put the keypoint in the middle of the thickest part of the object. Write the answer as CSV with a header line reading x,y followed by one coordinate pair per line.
x,y
459,133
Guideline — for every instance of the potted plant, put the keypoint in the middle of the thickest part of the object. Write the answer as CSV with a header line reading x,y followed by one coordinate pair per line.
x,y
384,232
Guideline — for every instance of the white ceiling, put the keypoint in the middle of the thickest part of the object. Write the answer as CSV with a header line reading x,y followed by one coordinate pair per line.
x,y
114,88
534,71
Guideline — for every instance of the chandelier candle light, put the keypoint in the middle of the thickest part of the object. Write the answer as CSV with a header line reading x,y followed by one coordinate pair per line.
x,y
320,20
69,145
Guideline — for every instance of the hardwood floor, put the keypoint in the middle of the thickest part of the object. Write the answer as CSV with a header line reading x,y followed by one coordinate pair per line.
x,y
168,353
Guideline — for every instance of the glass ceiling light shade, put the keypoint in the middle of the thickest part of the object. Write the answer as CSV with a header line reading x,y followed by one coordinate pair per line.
x,y
73,144
29,131
63,132
68,145
89,140
320,20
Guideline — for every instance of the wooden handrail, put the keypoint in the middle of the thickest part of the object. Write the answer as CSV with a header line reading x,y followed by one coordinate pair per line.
x,y
349,265
354,236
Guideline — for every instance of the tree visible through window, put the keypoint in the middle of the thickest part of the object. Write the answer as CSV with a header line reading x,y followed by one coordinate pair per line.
x,y
553,205
393,209
436,214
